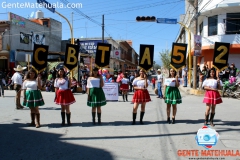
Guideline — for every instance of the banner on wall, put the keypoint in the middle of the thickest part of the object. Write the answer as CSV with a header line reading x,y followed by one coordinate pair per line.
x,y
197,45
24,38
111,91
220,57
178,57
146,57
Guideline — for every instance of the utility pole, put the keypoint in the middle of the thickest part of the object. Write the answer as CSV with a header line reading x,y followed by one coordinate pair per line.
x,y
103,28
195,57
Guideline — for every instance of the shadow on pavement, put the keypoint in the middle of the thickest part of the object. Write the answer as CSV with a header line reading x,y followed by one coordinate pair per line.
x,y
20,143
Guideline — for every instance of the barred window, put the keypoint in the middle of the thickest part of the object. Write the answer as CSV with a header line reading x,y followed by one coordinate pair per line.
x,y
233,23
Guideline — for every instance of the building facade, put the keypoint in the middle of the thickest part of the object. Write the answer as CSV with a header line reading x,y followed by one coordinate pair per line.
x,y
218,21
19,34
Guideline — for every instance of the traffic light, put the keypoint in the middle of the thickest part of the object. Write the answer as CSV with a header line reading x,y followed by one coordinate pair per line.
x,y
146,19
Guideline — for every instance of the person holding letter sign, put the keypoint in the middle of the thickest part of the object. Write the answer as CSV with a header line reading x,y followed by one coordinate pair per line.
x,y
172,95
212,97
64,96
141,95
32,96
96,96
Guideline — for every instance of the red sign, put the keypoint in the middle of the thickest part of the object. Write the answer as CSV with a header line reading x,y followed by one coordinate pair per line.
x,y
117,53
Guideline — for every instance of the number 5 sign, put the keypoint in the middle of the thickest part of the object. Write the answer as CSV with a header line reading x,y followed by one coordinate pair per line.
x,y
220,58
178,56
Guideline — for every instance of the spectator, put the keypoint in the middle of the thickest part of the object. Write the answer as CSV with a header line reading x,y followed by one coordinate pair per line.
x,y
232,70
200,80
49,85
153,82
131,78
74,85
2,80
54,73
184,75
84,84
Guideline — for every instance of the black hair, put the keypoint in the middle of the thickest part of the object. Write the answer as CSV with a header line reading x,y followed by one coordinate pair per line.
x,y
28,73
212,69
64,74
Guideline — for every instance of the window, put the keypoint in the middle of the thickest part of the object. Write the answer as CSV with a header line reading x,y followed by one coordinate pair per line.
x,y
212,25
45,23
233,23
201,29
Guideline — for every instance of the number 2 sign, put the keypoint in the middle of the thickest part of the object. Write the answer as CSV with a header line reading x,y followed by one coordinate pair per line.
x,y
220,57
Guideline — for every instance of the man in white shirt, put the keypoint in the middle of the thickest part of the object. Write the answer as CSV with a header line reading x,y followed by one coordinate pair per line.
x,y
17,81
159,83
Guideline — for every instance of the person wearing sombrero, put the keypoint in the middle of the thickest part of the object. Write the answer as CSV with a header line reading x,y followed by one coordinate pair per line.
x,y
96,96
17,81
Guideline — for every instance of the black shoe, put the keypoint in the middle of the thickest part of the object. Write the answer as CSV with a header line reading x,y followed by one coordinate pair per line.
x,y
93,118
63,118
134,118
168,120
99,118
173,120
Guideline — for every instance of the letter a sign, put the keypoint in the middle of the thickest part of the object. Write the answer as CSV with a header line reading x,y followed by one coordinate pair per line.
x,y
103,55
71,56
146,56
40,54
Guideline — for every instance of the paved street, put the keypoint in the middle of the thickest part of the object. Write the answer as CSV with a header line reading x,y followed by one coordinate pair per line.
x,y
116,138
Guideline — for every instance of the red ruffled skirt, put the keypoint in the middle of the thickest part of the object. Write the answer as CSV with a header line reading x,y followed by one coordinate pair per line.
x,y
64,97
212,97
124,87
141,96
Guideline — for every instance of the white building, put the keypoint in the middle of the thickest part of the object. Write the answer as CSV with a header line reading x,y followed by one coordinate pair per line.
x,y
218,21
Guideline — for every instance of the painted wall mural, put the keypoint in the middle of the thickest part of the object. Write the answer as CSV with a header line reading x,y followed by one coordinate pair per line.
x,y
25,38
17,20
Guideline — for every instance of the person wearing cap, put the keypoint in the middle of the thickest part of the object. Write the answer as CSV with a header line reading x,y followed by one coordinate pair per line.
x,y
17,81
159,83
96,96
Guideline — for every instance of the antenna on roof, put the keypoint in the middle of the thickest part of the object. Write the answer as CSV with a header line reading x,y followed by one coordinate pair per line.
x,y
32,14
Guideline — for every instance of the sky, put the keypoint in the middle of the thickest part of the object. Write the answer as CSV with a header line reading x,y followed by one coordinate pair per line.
x,y
119,19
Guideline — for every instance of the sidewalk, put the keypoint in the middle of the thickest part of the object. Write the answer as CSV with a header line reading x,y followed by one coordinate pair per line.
x,y
192,91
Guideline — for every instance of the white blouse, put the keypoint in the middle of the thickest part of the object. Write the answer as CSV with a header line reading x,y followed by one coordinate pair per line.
x,y
30,85
125,81
212,83
62,86
93,83
140,83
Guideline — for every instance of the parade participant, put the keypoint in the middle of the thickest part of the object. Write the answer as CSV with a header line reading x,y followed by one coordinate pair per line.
x,y
32,96
159,84
124,87
17,81
141,95
96,96
64,96
212,96
119,78
172,96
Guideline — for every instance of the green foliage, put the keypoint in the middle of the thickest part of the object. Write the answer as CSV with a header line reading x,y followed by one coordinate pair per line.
x,y
165,58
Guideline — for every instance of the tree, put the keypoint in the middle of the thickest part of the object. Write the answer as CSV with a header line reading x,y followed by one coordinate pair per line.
x,y
157,66
165,58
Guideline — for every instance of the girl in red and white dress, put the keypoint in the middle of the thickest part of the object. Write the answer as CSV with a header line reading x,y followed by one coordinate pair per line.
x,y
141,95
212,96
124,87
64,96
